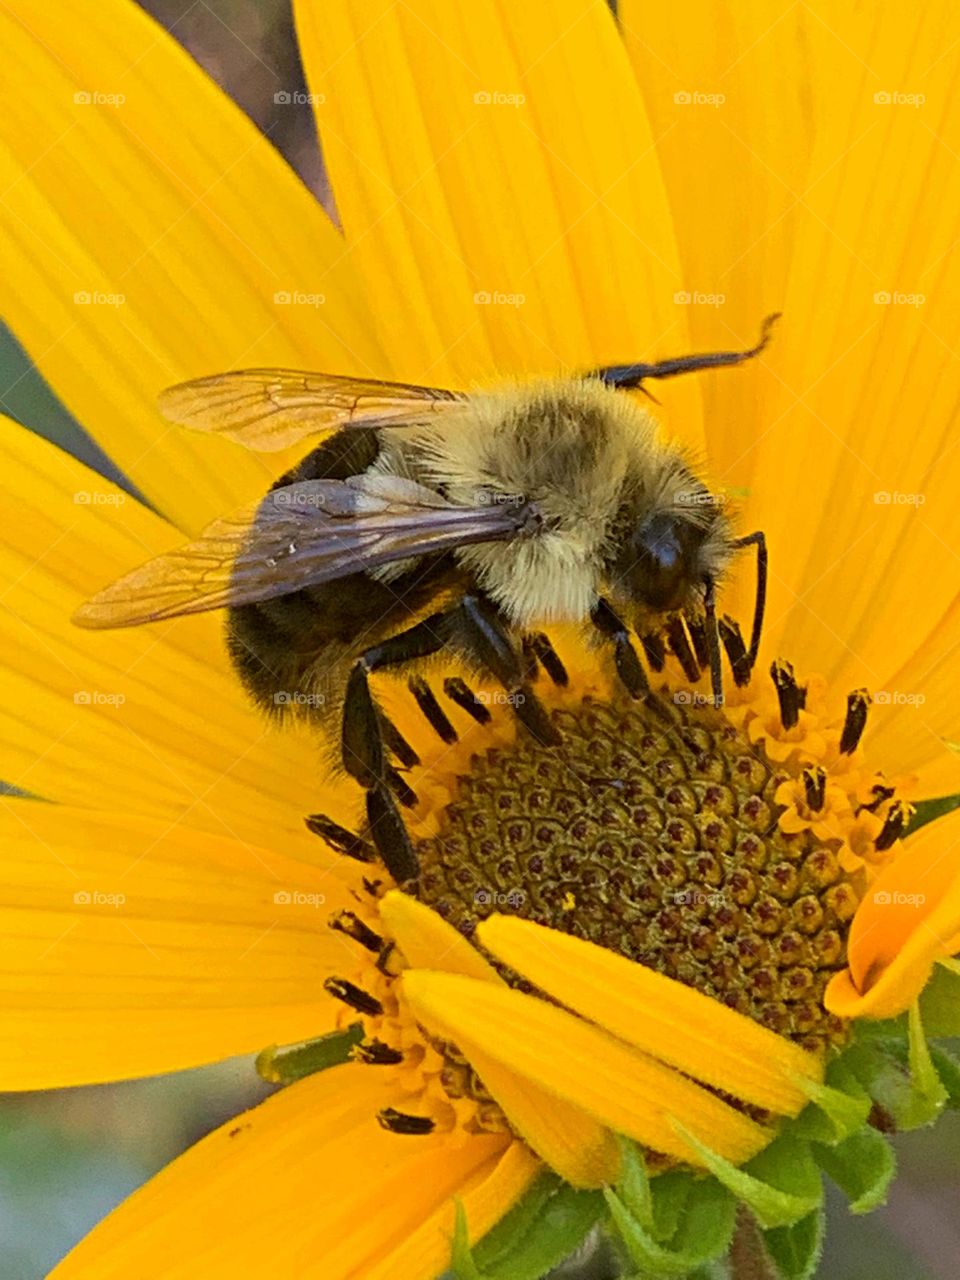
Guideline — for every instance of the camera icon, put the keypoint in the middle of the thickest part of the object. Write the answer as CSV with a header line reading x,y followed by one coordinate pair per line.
x,y
882,99
282,298
882,698
683,98
882,497
82,698
482,98
282,97
82,298
82,898
281,698
882,898
282,898
682,298
683,697
882,298
481,299
82,98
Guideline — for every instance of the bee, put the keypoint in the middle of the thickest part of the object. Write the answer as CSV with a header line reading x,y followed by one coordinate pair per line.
x,y
431,520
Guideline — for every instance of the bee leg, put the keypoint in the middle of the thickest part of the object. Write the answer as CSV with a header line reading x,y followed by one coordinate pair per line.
x,y
481,633
713,641
760,600
629,668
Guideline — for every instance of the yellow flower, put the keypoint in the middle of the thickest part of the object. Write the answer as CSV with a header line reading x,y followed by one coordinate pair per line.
x,y
527,190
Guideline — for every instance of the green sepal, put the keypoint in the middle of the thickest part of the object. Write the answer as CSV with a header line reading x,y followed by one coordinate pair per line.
x,y
536,1235
284,1066
781,1184
704,1231
901,1079
928,1087
795,1250
838,1107
948,1069
940,1000
930,810
633,1187
862,1167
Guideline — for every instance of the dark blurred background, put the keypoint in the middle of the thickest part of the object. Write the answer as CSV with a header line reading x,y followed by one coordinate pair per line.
x,y
67,1157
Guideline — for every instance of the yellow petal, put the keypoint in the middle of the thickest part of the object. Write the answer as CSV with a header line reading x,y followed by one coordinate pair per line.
x,y
426,1250
731,112
150,720
582,1151
664,1018
865,417
128,174
908,920
509,213
307,1185
428,941
133,946
565,1056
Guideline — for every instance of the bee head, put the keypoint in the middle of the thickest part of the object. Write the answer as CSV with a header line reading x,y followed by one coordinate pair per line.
x,y
663,559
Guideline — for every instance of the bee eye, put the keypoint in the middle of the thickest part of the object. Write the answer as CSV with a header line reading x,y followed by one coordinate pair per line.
x,y
661,555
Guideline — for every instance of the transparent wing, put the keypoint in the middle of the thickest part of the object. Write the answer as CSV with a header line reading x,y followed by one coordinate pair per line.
x,y
299,535
270,409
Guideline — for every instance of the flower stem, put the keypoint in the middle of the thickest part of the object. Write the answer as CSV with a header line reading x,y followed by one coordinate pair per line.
x,y
748,1257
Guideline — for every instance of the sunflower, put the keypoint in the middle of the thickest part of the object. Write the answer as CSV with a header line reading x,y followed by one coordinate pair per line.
x,y
708,951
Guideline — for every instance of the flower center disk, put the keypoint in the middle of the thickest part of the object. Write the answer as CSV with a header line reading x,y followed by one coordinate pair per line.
x,y
660,842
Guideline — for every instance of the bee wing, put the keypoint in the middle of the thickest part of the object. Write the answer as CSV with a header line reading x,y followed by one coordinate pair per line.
x,y
269,409
299,535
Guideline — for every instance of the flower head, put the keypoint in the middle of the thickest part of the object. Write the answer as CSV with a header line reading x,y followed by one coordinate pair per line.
x,y
650,949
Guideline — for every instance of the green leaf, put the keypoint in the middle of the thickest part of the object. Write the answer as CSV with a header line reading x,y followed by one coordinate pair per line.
x,y
795,1250
930,810
931,1095
703,1233
838,1107
781,1184
940,1000
512,1229
948,1069
284,1066
526,1245
862,1167
884,1072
